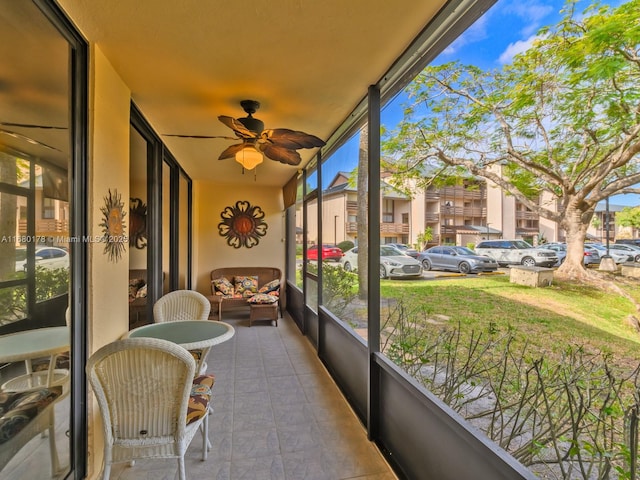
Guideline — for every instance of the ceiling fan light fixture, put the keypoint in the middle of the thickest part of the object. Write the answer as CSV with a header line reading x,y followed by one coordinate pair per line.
x,y
249,157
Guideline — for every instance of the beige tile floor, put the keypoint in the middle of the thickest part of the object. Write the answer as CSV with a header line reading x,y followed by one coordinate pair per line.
x,y
277,415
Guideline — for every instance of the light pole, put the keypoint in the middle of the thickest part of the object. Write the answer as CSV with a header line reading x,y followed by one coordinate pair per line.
x,y
335,229
488,231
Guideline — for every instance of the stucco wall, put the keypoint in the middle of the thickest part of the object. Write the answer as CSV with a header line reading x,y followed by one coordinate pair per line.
x,y
108,316
211,249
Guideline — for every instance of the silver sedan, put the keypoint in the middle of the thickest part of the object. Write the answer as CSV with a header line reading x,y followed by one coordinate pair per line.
x,y
458,259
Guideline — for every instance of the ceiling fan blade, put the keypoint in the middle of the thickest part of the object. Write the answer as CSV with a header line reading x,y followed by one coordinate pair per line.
x,y
28,139
231,151
28,125
236,126
197,136
292,139
280,154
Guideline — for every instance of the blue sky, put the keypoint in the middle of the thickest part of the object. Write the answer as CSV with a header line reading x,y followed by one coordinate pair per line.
x,y
507,29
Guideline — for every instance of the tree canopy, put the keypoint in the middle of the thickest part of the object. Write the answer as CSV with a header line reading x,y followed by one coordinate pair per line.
x,y
562,121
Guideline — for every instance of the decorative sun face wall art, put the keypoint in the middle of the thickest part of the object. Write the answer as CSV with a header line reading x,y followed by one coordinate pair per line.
x,y
137,223
242,224
113,226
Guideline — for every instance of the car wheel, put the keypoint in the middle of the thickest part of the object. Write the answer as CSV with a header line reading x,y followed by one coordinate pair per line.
x,y
426,264
383,272
528,262
637,258
464,267
347,266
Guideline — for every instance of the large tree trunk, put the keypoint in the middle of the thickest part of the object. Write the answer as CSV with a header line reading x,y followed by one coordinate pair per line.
x,y
363,210
8,223
575,223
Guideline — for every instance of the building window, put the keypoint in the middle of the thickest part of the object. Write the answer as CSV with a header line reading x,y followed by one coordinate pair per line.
x,y
48,208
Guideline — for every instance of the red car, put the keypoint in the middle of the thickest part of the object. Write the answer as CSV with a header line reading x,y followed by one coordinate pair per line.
x,y
329,252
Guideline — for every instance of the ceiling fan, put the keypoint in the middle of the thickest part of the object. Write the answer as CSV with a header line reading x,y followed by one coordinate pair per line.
x,y
27,139
279,144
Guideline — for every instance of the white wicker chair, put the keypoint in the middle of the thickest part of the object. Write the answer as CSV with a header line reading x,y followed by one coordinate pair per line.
x,y
181,305
143,387
184,305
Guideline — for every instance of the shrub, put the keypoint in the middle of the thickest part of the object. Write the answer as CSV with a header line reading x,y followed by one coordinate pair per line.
x,y
346,245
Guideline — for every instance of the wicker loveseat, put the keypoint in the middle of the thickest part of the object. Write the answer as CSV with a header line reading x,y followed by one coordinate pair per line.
x,y
220,303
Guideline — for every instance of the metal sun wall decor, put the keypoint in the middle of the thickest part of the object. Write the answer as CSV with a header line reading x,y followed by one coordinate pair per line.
x,y
113,226
242,225
137,223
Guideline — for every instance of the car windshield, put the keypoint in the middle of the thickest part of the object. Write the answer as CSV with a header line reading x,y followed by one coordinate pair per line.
x,y
387,251
463,251
521,244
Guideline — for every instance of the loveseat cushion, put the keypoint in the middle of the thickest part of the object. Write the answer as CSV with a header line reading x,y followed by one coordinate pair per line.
x,y
262,299
200,397
17,409
271,286
246,285
222,286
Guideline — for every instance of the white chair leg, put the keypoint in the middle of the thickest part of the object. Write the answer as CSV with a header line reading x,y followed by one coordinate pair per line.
x,y
55,461
181,472
106,471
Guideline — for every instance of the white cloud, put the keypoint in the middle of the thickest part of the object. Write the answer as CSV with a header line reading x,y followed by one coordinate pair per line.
x,y
515,48
475,33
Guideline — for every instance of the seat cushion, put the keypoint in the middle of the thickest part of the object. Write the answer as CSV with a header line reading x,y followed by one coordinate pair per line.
x,y
17,409
200,397
262,299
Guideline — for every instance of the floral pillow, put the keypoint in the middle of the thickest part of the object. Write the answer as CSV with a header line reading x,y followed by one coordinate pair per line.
x,y
142,292
247,286
262,299
222,286
271,286
134,285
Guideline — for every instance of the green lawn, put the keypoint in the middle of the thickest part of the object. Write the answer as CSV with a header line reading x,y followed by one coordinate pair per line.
x,y
548,318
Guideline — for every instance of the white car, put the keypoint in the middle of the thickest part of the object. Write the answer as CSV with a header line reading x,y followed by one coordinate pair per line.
x,y
516,252
46,257
633,251
617,255
393,263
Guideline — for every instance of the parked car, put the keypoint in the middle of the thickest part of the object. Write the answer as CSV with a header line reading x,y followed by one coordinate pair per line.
x,y
618,256
46,257
591,255
629,248
459,259
393,263
412,252
628,241
514,252
329,252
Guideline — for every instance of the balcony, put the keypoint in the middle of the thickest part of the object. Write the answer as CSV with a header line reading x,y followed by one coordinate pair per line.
x,y
385,228
277,412
46,227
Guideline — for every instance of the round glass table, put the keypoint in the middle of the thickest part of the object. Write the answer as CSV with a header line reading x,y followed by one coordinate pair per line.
x,y
193,335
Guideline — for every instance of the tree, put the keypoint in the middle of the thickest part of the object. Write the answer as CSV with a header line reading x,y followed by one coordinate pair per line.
x,y
363,211
562,119
629,217
425,237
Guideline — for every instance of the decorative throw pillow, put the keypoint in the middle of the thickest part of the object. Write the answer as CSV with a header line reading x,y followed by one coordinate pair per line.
x,y
134,286
142,292
271,286
263,298
247,286
222,285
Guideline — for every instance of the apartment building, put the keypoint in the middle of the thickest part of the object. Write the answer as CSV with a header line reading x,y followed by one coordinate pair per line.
x,y
461,214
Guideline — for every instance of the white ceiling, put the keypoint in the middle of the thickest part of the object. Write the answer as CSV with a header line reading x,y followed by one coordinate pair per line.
x,y
308,63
